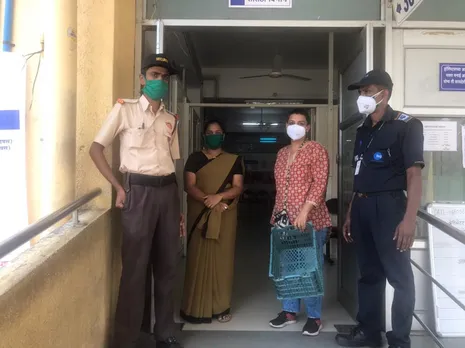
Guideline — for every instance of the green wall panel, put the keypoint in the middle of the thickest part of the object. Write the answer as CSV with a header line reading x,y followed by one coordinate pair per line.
x,y
301,10
440,10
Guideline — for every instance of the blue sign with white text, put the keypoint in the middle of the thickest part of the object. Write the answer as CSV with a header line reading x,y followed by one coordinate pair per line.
x,y
452,77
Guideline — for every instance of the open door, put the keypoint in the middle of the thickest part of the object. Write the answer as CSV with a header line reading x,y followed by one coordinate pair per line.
x,y
178,104
361,63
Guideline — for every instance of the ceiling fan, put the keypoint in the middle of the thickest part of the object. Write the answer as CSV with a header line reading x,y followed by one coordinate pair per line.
x,y
276,71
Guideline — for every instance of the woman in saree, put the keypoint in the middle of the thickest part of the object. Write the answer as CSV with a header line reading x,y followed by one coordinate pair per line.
x,y
213,182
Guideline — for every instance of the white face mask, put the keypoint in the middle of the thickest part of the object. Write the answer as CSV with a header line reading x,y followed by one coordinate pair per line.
x,y
367,105
295,132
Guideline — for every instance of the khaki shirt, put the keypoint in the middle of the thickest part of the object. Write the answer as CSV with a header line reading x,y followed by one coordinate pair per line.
x,y
148,141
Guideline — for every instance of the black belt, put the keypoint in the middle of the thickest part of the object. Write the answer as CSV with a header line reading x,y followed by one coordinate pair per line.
x,y
379,193
149,180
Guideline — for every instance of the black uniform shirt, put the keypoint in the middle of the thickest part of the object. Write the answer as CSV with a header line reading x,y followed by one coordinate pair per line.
x,y
383,153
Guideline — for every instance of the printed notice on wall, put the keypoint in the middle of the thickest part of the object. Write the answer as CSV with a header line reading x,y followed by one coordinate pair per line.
x,y
440,135
447,257
13,205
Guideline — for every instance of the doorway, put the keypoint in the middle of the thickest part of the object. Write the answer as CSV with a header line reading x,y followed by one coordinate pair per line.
x,y
256,131
336,56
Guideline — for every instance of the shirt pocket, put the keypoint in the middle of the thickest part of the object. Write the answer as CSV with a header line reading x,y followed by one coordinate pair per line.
x,y
136,137
379,158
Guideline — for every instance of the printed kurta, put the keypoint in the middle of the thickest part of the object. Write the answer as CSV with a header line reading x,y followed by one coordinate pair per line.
x,y
308,181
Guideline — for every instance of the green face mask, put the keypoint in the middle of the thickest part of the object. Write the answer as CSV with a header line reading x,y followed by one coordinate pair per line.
x,y
214,141
155,89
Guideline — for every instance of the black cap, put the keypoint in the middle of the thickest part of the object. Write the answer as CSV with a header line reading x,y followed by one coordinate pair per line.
x,y
159,60
374,77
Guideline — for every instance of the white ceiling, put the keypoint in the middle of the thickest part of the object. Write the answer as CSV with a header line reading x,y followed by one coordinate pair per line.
x,y
301,48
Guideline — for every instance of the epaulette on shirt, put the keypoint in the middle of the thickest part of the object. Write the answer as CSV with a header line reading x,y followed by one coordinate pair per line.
x,y
124,101
404,117
176,116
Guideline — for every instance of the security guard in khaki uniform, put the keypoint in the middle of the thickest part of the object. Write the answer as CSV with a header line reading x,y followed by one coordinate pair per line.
x,y
388,159
149,201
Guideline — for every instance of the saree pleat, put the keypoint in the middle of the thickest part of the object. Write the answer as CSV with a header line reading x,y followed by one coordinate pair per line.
x,y
210,251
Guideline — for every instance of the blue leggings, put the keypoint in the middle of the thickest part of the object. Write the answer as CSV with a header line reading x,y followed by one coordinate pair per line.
x,y
312,304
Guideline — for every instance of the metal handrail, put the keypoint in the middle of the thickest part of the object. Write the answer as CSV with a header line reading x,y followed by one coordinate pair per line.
x,y
15,241
441,225
457,235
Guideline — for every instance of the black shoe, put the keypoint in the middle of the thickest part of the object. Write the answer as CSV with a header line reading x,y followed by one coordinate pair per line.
x,y
283,319
357,338
170,342
312,327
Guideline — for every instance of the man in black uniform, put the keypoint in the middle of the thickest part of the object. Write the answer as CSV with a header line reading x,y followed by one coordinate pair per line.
x,y
388,158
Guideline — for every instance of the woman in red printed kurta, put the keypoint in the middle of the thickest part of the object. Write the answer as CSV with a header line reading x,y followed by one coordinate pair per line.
x,y
303,169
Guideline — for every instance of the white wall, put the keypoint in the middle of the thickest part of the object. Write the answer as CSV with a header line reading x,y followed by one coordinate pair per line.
x,y
230,86
417,55
193,94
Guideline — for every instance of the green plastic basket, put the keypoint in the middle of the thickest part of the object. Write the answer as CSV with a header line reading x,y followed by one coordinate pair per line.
x,y
294,266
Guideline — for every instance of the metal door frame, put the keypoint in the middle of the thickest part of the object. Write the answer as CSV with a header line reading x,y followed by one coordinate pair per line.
x,y
162,23
186,132
369,59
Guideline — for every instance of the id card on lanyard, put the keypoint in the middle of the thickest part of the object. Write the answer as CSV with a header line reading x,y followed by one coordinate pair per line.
x,y
360,156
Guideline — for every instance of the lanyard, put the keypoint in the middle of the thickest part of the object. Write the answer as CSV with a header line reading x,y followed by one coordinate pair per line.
x,y
288,173
371,140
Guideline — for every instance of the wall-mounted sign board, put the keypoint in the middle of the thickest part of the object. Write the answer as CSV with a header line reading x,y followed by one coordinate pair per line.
x,y
260,3
452,77
404,8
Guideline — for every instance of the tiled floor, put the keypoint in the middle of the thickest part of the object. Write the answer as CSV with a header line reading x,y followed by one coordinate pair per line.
x,y
233,339
267,339
254,299
254,302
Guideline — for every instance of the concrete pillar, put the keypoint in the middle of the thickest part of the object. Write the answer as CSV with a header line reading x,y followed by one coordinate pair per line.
x,y
29,41
51,100
106,31
59,104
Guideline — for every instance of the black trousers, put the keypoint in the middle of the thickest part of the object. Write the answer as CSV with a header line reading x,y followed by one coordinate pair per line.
x,y
150,236
374,219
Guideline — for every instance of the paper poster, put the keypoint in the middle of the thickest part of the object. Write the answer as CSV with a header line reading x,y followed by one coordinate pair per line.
x,y
440,135
447,257
13,205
